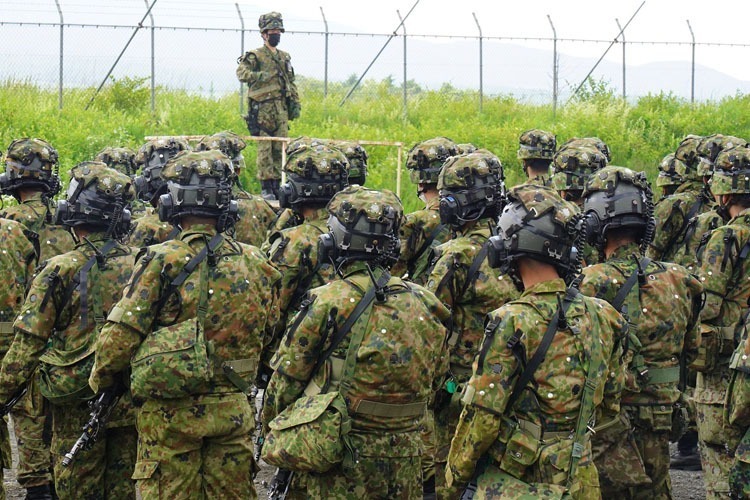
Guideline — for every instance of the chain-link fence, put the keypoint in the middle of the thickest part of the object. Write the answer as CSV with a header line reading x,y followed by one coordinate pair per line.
x,y
538,70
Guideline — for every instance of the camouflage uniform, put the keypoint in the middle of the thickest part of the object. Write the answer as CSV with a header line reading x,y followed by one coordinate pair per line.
x,y
149,230
198,446
536,145
124,160
399,362
272,97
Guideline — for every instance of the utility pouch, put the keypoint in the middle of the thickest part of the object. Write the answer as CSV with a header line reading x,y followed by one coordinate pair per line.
x,y
657,418
251,118
521,451
64,375
737,403
708,352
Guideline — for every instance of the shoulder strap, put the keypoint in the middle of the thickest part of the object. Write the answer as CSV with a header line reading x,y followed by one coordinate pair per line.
x,y
692,212
474,269
622,294
541,351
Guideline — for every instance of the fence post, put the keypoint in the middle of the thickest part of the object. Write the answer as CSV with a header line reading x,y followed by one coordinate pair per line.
x,y
62,29
153,60
481,66
242,53
406,110
692,64
622,35
325,59
554,67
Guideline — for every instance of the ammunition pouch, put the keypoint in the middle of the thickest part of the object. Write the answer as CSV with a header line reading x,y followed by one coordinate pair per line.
x,y
714,346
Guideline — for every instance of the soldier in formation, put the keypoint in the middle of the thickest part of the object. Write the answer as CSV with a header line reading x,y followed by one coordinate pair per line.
x,y
535,150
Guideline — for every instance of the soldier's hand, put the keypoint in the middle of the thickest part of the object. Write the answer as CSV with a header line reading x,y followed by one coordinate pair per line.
x,y
294,110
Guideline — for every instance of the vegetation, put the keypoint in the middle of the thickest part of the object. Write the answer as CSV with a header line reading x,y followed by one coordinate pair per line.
x,y
639,134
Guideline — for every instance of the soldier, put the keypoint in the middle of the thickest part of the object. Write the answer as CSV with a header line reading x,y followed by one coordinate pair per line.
x,y
393,360
357,158
573,164
195,423
149,229
589,142
662,303
724,268
422,231
526,414
272,99
31,178
536,150
124,160
460,276
255,214
66,305
671,175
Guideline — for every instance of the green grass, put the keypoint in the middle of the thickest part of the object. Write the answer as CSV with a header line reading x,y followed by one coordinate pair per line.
x,y
638,134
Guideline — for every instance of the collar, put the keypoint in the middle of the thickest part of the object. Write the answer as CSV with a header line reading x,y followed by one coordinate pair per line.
x,y
197,230
625,252
555,286
482,227
433,204
319,214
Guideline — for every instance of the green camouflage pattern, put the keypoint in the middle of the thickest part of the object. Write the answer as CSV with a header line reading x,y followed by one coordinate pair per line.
x,y
225,141
572,166
255,217
673,214
357,158
108,182
375,206
269,74
24,150
697,233
671,172
199,447
732,173
462,172
150,230
465,148
710,147
401,360
209,164
536,144
286,218
120,159
145,151
484,433
271,21
425,159
588,142
739,474
420,233
309,160
688,153
717,444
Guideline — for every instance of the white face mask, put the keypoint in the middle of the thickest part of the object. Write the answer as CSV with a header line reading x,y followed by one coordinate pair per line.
x,y
423,197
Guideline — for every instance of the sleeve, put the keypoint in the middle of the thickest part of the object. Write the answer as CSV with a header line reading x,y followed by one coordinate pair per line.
x,y
446,276
293,93
669,217
692,335
715,273
615,382
114,349
248,68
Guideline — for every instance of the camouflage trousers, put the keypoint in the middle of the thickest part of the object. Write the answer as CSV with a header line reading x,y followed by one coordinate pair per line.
x,y
739,474
102,472
717,446
387,466
269,152
654,448
32,425
447,413
197,447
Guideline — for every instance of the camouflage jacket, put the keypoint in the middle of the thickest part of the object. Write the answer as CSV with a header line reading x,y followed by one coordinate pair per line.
x,y
139,208
242,299
419,234
555,401
663,315
149,230
470,298
17,261
400,360
725,278
698,231
672,215
53,314
268,75
537,180
285,219
256,216
32,213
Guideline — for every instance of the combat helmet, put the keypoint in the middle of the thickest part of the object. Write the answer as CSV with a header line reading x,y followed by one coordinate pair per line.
x,y
363,224
471,188
537,224
710,146
688,153
228,143
589,142
357,157
572,167
536,144
671,172
152,156
120,159
314,174
30,163
271,21
618,198
732,172
425,159
465,148
199,183
98,197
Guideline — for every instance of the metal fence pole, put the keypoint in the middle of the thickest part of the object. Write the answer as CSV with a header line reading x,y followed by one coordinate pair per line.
x,y
692,64
325,63
554,67
481,66
62,29
622,35
406,111
153,60
242,53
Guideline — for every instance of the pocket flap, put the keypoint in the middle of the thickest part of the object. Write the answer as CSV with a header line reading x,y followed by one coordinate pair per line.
x,y
144,469
58,357
305,410
177,337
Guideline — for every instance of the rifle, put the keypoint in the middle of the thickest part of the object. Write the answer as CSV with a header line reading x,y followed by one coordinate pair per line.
x,y
279,487
101,408
470,490
259,438
5,409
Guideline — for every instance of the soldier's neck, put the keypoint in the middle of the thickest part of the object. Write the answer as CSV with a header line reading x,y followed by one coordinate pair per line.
x,y
533,271
272,49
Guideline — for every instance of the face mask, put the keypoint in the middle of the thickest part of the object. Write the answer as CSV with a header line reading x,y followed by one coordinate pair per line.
x,y
273,39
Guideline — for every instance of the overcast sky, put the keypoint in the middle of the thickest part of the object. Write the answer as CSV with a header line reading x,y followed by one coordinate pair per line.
x,y
719,21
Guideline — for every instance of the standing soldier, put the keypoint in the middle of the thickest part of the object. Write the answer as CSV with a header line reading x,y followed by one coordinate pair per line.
x,y
64,310
471,188
422,231
124,160
661,303
548,361
536,150
724,270
31,178
671,175
272,99
149,229
189,326
255,214
385,365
